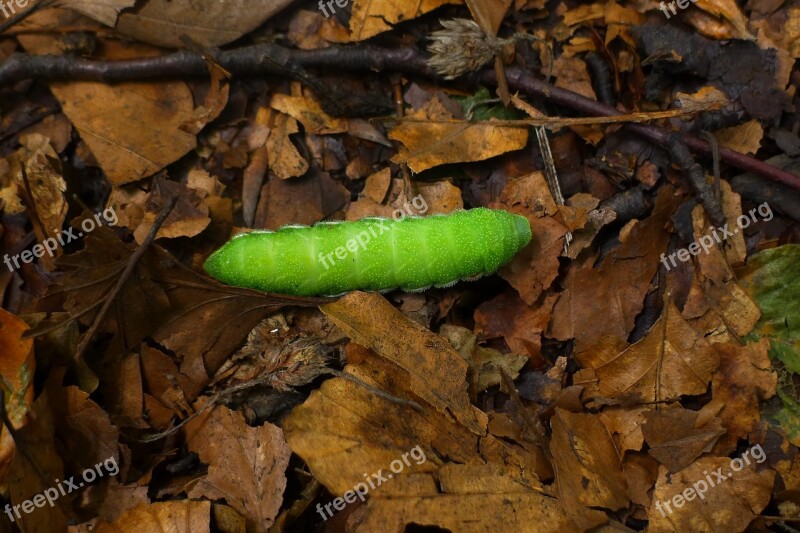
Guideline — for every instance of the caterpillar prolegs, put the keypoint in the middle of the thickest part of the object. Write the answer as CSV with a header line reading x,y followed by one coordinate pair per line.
x,y
373,254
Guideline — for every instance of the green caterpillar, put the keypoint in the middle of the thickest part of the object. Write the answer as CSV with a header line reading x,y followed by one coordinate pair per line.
x,y
373,254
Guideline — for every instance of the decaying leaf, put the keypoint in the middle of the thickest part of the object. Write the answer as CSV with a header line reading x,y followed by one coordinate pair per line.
x,y
672,360
246,464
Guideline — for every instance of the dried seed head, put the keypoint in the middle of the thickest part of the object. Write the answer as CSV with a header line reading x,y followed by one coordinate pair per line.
x,y
461,47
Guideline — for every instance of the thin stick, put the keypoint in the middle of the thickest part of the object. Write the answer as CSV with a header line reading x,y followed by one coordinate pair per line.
x,y
101,315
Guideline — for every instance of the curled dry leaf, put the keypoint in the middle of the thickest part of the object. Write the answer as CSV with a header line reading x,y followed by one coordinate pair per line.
x,y
246,464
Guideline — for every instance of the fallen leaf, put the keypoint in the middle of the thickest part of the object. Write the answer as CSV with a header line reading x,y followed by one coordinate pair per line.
x,y
164,22
308,112
371,17
729,504
105,11
183,516
429,142
246,464
676,437
588,468
626,273
672,360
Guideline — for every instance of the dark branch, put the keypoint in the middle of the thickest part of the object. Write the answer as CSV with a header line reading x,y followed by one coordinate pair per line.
x,y
274,59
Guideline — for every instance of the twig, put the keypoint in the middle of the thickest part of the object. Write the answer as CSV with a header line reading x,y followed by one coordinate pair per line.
x,y
264,58
134,259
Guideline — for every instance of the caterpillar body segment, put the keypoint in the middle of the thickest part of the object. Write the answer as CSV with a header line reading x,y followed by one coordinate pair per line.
x,y
373,254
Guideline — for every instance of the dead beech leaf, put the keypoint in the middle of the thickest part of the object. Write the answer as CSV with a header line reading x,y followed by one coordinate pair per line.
x,y
334,431
105,11
744,138
626,273
745,377
476,499
184,516
133,129
188,218
308,112
489,14
706,98
728,10
246,464
371,321
588,468
17,367
674,436
209,24
729,505
429,142
371,17
284,159
672,360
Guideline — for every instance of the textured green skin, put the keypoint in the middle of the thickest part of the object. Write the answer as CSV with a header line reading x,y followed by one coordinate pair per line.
x,y
411,254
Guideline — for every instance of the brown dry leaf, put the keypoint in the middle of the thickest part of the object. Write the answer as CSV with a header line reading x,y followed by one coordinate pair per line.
x,y
209,24
36,470
183,516
489,14
672,360
477,499
17,366
304,200
429,142
371,321
571,73
744,138
188,218
705,98
728,505
518,323
588,468
84,428
728,10
678,436
246,464
626,273
284,159
377,185
371,17
105,11
745,377
625,424
484,363
441,196
133,129
535,268
308,112
486,481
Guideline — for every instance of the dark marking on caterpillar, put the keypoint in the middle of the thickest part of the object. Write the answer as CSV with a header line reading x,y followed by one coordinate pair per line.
x,y
372,254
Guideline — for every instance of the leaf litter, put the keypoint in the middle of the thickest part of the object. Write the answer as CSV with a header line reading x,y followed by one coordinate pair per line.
x,y
589,385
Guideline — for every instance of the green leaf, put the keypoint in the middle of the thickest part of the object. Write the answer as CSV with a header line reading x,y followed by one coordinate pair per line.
x,y
772,279
477,107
